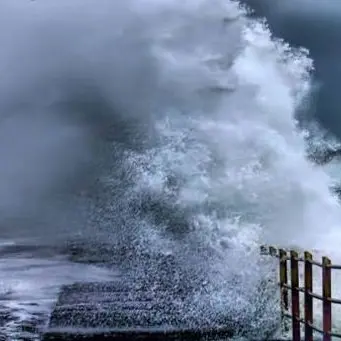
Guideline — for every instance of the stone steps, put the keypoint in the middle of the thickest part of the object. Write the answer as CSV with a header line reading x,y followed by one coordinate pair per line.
x,y
121,310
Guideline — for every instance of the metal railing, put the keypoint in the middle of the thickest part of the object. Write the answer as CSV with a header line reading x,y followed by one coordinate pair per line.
x,y
307,321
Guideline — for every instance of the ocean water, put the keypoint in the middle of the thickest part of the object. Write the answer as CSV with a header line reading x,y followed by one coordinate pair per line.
x,y
166,127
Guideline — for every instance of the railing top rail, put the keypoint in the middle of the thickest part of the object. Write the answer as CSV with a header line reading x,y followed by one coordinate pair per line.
x,y
272,251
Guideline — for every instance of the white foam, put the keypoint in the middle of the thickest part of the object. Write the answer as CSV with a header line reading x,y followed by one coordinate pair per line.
x,y
220,94
29,287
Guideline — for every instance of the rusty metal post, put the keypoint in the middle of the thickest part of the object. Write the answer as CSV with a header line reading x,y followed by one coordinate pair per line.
x,y
283,279
283,283
272,251
308,298
327,307
295,297
263,250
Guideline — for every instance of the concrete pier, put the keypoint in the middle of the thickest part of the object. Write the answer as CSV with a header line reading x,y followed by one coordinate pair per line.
x,y
121,310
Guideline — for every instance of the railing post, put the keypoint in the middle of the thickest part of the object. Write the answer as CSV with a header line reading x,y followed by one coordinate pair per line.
x,y
327,307
283,279
283,282
308,298
272,251
264,250
295,297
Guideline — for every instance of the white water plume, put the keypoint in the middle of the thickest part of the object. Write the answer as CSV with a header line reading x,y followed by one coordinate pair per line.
x,y
172,125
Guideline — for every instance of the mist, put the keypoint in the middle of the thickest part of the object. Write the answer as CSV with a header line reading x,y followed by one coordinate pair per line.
x,y
159,127
73,79
117,119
